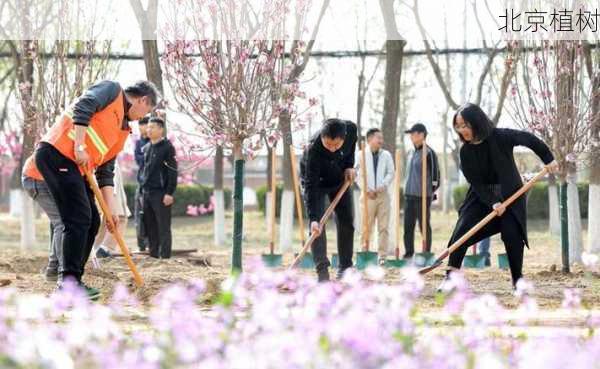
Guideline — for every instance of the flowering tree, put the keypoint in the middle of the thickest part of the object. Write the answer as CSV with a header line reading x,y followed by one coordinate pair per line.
x,y
592,66
292,117
231,84
47,74
550,97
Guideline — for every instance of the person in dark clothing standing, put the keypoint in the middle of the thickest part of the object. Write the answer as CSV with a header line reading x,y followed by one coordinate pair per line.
x,y
142,239
488,164
158,183
87,137
327,162
413,191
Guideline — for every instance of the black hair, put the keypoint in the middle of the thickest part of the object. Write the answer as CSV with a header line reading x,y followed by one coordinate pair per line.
x,y
372,131
476,118
144,88
144,120
158,121
334,128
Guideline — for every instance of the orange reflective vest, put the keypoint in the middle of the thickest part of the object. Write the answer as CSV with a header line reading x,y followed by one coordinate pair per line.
x,y
105,137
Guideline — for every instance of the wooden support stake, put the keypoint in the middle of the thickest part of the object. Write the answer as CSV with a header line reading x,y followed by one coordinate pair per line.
x,y
294,166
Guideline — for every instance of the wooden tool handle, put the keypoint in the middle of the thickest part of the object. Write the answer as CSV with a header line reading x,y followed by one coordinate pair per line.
x,y
458,243
397,180
364,184
322,223
424,196
118,237
294,166
273,199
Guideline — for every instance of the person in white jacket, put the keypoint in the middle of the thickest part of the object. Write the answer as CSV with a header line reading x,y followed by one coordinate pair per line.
x,y
380,173
105,244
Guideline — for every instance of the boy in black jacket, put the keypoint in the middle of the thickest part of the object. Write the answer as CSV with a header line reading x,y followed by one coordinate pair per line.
x,y
158,183
327,162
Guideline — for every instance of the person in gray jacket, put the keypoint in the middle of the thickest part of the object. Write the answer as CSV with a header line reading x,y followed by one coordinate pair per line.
x,y
379,167
413,191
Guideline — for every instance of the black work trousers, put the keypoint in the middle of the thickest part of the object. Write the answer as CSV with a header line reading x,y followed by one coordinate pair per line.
x,y
157,223
413,211
344,219
76,206
507,225
138,213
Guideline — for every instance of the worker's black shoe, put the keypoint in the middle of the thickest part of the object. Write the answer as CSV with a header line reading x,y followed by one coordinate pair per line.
x,y
323,275
51,273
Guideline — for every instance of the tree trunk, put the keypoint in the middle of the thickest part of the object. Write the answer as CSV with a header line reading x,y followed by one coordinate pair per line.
x,y
238,208
286,213
30,135
553,211
393,73
219,214
564,228
152,62
27,222
575,229
594,191
360,97
268,200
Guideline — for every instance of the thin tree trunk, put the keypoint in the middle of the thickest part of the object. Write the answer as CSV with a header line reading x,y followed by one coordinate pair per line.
x,y
575,229
553,211
152,63
30,133
594,190
238,208
27,222
219,214
564,227
286,213
393,74
268,187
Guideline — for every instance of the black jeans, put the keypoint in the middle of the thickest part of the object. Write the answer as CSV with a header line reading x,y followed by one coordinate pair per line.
x,y
138,214
344,218
413,212
507,225
76,206
157,222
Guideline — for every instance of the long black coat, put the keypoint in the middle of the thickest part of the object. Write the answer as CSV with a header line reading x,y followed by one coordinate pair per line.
x,y
502,142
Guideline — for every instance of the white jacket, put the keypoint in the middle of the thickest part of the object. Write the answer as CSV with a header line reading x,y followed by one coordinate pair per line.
x,y
385,169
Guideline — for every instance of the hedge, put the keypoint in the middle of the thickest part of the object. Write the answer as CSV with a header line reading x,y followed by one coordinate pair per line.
x,y
537,199
184,195
261,195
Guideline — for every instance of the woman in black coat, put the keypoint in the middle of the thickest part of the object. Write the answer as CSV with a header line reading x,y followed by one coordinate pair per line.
x,y
488,164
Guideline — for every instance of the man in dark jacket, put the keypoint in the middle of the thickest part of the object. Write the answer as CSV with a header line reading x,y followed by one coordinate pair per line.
x,y
328,162
142,239
158,183
413,191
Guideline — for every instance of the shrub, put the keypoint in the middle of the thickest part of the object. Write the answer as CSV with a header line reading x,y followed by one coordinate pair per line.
x,y
184,195
261,198
537,199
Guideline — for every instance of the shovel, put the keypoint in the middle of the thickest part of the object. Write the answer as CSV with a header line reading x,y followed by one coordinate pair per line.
x,y
365,258
475,261
425,257
482,223
322,223
116,234
397,262
307,261
271,259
